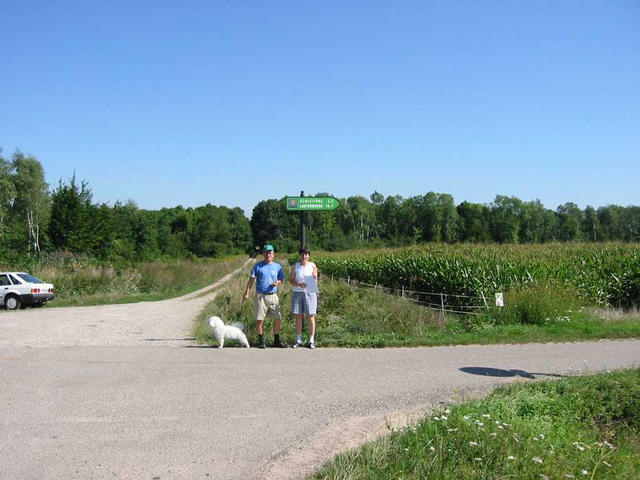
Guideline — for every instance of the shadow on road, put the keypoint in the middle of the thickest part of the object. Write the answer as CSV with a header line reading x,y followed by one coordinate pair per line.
x,y
166,339
497,372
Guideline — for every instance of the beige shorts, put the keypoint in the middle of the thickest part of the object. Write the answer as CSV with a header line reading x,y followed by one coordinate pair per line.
x,y
264,305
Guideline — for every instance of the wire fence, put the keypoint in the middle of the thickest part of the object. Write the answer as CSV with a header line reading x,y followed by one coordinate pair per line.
x,y
462,304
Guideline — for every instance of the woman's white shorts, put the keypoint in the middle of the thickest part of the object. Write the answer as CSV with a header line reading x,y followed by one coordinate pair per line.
x,y
303,303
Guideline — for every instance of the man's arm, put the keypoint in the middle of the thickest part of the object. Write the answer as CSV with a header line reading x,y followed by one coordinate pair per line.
x,y
248,289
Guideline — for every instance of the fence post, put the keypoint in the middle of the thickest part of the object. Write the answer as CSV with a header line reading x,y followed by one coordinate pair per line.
x,y
485,300
442,302
402,291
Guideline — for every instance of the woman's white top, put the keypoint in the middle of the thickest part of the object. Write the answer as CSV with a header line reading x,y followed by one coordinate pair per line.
x,y
304,274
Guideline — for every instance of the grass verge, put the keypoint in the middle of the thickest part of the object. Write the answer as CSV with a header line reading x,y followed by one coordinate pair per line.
x,y
581,428
84,284
359,317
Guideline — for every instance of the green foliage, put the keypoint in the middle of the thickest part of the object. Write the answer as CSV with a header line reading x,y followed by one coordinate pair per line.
x,y
361,317
571,428
33,221
603,274
434,217
539,305
80,279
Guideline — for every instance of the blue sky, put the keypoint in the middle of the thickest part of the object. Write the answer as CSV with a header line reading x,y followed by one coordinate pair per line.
x,y
229,103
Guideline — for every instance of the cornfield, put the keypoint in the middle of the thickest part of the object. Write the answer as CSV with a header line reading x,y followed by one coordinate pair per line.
x,y
602,274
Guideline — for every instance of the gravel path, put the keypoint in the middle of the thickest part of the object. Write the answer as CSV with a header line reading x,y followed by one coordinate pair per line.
x,y
122,392
167,322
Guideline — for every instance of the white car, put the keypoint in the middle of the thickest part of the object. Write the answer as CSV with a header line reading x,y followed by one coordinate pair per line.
x,y
19,289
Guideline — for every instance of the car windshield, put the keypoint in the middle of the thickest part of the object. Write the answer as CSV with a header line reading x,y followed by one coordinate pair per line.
x,y
29,278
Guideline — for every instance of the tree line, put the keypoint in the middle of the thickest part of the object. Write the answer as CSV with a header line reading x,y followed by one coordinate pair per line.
x,y
434,217
35,218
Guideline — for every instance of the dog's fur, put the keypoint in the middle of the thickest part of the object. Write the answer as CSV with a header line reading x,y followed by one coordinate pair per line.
x,y
224,332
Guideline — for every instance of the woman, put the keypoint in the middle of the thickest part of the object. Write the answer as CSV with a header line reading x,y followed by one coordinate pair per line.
x,y
304,301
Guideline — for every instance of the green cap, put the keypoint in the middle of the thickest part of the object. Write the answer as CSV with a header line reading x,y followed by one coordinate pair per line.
x,y
268,248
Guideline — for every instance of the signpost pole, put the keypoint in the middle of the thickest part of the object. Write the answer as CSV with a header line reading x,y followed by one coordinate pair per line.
x,y
303,219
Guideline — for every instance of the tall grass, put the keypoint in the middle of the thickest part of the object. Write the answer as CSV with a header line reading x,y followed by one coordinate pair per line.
x,y
349,316
81,280
228,305
577,428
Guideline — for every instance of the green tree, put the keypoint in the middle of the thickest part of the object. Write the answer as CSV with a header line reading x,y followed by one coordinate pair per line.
x,y
7,194
504,219
532,221
30,208
590,225
75,222
474,224
570,220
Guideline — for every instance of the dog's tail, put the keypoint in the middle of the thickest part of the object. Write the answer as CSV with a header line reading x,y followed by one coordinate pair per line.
x,y
239,325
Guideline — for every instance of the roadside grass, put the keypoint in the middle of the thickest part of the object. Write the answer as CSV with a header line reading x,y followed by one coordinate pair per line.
x,y
82,283
573,428
228,305
361,317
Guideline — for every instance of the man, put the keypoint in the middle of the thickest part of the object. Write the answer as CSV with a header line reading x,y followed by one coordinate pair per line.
x,y
267,275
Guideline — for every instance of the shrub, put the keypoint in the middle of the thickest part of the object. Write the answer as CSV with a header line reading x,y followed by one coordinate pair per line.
x,y
538,305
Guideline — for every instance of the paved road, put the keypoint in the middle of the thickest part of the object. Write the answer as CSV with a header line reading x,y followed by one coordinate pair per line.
x,y
164,408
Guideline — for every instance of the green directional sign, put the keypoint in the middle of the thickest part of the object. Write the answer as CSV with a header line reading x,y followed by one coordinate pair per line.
x,y
311,203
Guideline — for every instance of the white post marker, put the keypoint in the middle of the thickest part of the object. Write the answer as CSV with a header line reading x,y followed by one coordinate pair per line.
x,y
499,300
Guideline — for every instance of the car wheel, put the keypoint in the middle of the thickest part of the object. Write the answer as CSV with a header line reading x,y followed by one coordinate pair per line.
x,y
12,302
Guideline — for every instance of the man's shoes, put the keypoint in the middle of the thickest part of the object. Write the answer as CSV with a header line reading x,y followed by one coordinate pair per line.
x,y
312,345
262,345
279,344
297,345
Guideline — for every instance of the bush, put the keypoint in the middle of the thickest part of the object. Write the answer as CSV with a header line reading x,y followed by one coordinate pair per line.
x,y
538,305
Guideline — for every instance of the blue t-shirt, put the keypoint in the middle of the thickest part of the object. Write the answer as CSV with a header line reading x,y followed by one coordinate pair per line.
x,y
266,274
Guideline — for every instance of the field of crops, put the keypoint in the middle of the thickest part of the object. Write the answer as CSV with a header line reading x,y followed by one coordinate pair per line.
x,y
602,274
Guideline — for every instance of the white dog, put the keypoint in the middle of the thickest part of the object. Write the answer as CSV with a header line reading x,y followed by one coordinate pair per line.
x,y
224,332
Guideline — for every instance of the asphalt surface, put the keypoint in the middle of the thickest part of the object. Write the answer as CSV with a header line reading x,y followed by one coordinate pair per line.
x,y
161,407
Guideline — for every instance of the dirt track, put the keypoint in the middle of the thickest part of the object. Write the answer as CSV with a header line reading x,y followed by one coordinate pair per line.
x,y
166,322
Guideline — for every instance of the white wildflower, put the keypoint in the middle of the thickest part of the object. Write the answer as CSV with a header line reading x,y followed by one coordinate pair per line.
x,y
544,477
473,444
537,460
466,417
478,459
585,472
606,463
493,434
568,475
579,446
486,415
447,410
452,430
443,417
436,418
511,457
516,437
500,427
432,449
